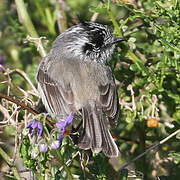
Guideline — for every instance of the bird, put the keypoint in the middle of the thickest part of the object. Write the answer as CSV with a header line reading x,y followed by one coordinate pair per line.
x,y
75,77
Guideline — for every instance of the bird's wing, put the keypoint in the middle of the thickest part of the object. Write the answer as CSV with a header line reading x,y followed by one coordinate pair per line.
x,y
110,102
57,97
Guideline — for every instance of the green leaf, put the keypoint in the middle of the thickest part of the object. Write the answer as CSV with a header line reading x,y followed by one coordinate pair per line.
x,y
10,130
176,157
178,136
134,67
124,174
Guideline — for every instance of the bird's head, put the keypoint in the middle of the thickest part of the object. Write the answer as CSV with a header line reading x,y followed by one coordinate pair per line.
x,y
88,41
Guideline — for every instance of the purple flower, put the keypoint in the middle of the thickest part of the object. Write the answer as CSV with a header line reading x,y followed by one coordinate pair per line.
x,y
43,148
63,124
1,61
55,145
35,127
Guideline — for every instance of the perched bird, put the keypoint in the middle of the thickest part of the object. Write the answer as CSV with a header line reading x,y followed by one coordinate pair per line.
x,y
75,77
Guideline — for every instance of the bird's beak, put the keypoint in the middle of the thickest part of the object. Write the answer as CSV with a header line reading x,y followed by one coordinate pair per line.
x,y
117,40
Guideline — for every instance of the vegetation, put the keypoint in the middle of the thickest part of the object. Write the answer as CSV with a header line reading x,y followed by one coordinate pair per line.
x,y
147,73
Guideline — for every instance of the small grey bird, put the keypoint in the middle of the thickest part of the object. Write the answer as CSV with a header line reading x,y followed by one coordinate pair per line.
x,y
74,77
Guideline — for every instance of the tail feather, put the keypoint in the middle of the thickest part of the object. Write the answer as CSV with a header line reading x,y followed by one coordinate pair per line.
x,y
109,146
95,128
96,134
86,141
91,137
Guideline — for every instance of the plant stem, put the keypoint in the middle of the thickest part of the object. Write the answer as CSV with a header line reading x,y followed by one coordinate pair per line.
x,y
70,177
25,19
11,165
45,128
62,19
114,22
50,21
129,53
151,148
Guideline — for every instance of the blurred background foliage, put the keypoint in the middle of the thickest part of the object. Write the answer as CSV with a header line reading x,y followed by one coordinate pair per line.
x,y
146,69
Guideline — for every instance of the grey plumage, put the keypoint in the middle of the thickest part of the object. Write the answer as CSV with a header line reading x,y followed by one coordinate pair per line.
x,y
74,77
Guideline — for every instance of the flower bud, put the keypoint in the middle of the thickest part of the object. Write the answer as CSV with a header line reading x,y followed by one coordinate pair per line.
x,y
43,148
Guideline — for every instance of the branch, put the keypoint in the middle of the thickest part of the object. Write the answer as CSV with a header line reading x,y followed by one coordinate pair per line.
x,y
62,20
9,98
24,75
153,147
38,43
6,115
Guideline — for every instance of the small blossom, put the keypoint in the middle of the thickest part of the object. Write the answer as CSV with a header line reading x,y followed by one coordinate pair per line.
x,y
43,148
25,132
68,121
55,145
35,152
35,127
62,125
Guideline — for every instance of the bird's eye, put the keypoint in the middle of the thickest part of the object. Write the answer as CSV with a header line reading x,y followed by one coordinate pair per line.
x,y
97,38
87,47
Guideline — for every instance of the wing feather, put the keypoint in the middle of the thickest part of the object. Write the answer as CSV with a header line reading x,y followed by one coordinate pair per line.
x,y
58,96
109,101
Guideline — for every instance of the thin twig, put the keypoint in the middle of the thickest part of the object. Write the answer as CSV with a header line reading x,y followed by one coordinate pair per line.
x,y
96,14
13,113
151,148
38,43
154,108
68,162
24,75
94,17
62,20
130,88
6,115
9,98
70,177
16,138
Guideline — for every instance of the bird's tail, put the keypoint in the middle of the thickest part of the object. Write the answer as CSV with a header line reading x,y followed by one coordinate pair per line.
x,y
96,134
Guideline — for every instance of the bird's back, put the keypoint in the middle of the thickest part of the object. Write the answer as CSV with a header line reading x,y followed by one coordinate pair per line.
x,y
84,78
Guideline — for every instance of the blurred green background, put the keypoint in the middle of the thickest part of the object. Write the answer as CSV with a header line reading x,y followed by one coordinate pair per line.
x,y
146,69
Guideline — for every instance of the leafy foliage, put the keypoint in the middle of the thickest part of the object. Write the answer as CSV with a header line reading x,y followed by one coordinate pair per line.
x,y
147,73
